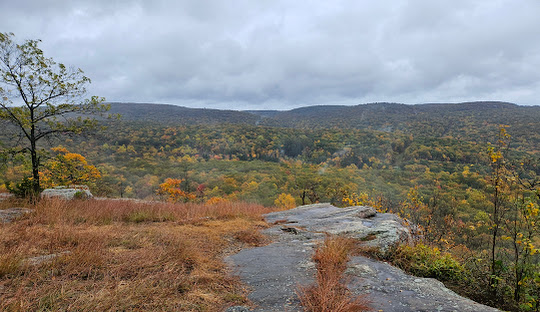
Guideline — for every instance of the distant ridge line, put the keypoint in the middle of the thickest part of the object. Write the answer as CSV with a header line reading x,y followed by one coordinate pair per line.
x,y
449,118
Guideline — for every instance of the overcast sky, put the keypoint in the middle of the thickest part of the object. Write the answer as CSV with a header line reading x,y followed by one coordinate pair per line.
x,y
272,54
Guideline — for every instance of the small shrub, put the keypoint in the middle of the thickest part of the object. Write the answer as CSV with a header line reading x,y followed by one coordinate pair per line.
x,y
80,195
425,261
285,201
139,216
23,189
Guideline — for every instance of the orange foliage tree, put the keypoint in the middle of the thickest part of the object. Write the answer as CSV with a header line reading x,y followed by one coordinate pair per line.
x,y
171,189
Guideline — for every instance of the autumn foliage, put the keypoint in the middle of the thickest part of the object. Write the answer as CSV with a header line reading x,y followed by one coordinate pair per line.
x,y
171,189
67,168
285,201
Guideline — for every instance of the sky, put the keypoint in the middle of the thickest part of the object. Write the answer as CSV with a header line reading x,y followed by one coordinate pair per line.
x,y
274,54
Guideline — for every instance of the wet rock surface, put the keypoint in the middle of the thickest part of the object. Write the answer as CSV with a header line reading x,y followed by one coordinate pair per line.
x,y
274,272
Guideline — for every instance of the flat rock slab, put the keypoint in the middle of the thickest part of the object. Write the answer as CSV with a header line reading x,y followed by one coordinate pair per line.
x,y
4,196
274,272
390,289
10,214
45,258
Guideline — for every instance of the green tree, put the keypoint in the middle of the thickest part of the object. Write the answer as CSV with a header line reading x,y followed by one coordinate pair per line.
x,y
42,98
305,181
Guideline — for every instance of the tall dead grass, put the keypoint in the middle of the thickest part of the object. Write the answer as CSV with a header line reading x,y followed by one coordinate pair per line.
x,y
112,255
54,211
330,293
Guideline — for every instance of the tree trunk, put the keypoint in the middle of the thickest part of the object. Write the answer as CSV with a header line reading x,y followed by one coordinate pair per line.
x,y
493,243
496,221
36,188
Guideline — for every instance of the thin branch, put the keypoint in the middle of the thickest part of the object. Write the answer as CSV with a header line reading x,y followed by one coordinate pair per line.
x,y
14,118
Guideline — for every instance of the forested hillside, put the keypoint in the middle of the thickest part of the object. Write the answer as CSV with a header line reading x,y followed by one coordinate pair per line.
x,y
471,121
385,149
474,121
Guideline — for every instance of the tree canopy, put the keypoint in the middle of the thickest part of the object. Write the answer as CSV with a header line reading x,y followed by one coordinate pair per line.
x,y
42,98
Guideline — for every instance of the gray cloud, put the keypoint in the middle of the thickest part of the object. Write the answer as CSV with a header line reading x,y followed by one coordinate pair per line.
x,y
283,54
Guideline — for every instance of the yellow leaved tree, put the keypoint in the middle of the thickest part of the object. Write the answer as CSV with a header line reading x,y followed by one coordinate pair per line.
x,y
285,201
67,168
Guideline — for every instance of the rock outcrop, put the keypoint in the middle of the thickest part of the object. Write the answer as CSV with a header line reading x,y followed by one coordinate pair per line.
x,y
4,196
68,193
377,229
390,289
10,214
275,271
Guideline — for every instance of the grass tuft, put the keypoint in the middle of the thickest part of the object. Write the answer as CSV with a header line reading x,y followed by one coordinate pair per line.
x,y
251,237
11,264
329,293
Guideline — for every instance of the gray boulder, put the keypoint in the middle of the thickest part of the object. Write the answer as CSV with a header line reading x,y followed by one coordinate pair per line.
x,y
68,193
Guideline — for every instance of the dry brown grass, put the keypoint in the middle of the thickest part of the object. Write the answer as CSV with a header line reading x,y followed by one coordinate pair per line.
x,y
251,237
124,256
330,293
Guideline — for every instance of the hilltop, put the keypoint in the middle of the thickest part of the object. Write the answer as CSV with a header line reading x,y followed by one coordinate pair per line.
x,y
173,114
376,116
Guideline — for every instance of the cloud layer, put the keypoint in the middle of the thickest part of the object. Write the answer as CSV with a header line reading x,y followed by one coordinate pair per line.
x,y
282,54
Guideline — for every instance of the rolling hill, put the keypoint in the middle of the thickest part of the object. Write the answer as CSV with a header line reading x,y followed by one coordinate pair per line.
x,y
471,121
173,114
